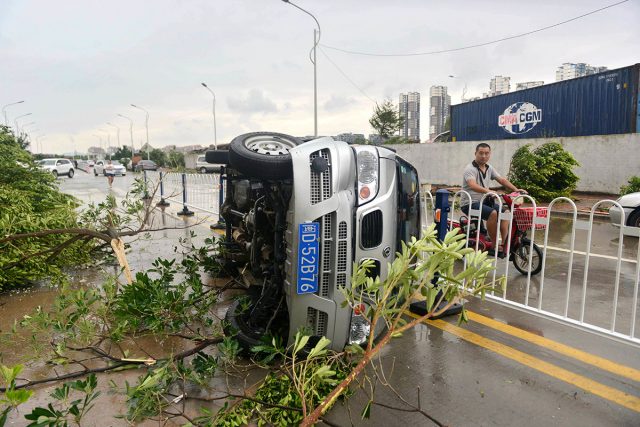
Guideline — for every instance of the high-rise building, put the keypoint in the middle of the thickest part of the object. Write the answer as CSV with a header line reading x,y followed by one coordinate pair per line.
x,y
499,85
569,70
528,85
440,102
409,106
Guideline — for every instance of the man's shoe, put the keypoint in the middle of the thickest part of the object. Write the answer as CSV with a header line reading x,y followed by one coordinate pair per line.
x,y
492,253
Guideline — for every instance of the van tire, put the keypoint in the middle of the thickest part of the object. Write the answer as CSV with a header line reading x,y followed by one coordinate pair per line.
x,y
263,155
236,327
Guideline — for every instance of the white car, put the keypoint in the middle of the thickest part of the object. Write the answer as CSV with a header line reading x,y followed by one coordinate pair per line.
x,y
631,205
101,165
58,167
203,166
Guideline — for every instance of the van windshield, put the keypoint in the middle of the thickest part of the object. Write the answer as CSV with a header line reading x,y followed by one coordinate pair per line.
x,y
408,203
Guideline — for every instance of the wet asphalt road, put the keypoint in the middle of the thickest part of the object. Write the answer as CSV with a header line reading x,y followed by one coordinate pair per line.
x,y
504,367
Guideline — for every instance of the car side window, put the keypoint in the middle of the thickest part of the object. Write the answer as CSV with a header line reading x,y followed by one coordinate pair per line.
x,y
59,162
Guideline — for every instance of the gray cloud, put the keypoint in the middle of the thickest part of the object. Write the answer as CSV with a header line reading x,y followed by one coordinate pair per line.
x,y
338,102
254,102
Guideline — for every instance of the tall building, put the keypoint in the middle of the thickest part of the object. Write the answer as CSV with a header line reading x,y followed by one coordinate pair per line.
x,y
528,85
569,70
499,85
439,110
409,106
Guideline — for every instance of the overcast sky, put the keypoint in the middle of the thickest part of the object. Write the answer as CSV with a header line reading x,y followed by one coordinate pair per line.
x,y
78,64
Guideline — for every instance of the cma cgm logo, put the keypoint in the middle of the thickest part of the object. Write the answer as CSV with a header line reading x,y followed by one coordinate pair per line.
x,y
520,117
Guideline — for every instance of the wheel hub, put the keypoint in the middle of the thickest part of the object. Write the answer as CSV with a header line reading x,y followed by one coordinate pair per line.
x,y
270,146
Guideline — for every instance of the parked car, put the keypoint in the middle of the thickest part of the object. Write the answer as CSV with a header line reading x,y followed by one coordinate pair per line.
x,y
100,168
299,215
146,165
631,205
203,166
58,167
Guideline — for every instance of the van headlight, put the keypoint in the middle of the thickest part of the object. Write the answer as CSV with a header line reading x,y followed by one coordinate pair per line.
x,y
359,327
368,167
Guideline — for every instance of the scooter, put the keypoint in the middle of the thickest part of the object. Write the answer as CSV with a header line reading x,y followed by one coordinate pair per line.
x,y
518,243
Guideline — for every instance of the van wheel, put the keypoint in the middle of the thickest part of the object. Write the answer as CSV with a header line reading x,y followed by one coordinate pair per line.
x,y
263,155
237,327
203,170
55,174
634,219
70,173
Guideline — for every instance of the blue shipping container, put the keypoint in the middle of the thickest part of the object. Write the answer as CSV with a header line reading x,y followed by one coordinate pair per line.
x,y
600,104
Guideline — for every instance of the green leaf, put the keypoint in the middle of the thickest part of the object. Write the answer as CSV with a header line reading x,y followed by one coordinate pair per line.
x,y
366,411
319,349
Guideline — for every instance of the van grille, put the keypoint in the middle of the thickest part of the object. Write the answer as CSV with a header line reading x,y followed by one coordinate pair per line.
x,y
371,230
326,248
317,321
320,182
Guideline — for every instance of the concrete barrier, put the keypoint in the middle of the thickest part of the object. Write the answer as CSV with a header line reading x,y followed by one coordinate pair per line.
x,y
606,161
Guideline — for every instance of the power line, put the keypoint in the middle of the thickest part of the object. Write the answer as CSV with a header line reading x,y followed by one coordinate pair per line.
x,y
435,52
345,76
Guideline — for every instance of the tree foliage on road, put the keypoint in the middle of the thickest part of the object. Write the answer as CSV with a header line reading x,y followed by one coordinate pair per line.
x,y
30,201
386,119
545,172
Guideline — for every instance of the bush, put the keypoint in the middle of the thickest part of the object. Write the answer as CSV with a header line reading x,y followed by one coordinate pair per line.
x,y
30,202
633,187
546,172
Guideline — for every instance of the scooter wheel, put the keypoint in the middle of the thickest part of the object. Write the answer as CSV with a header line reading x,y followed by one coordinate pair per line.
x,y
521,258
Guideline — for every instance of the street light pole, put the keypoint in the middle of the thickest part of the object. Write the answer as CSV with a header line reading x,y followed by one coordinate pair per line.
x,y
38,143
117,132
108,141
146,124
464,90
316,41
4,111
215,133
100,139
16,122
133,151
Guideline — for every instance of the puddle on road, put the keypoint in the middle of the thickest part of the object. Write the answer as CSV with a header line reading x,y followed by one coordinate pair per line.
x,y
14,305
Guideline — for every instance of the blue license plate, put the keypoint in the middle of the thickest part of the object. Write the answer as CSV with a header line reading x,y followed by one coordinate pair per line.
x,y
308,257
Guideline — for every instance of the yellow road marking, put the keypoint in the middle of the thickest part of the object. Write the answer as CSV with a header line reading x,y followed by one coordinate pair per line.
x,y
609,393
582,356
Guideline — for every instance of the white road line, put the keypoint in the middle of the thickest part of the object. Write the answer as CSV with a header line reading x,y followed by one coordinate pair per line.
x,y
554,248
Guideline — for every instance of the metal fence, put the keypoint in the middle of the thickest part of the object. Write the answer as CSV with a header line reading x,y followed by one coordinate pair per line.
x,y
590,271
200,192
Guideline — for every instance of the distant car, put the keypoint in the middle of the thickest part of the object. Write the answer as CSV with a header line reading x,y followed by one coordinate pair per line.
x,y
58,167
146,165
100,167
631,205
203,166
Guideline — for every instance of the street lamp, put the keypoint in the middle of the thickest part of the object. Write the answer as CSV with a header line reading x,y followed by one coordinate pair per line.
x,y
316,41
108,141
117,132
101,143
16,122
464,90
146,124
215,133
133,151
38,143
4,112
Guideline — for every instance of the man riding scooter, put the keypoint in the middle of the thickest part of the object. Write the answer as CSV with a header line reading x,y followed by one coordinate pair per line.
x,y
476,177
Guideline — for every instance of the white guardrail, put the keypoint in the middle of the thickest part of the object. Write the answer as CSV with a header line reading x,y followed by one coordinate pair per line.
x,y
200,192
590,271
578,286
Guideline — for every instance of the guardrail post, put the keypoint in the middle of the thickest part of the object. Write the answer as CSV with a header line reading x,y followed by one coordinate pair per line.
x,y
220,225
146,186
162,201
441,218
185,210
